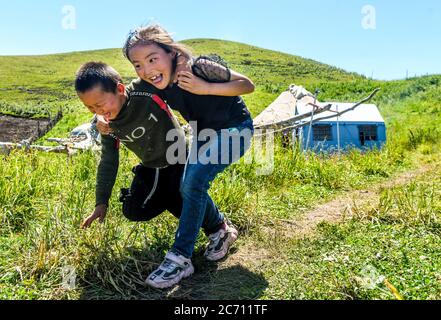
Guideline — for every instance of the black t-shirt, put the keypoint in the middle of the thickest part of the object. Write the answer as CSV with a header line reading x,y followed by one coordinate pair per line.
x,y
213,112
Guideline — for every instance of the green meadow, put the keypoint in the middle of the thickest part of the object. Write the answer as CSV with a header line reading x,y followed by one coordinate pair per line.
x,y
386,249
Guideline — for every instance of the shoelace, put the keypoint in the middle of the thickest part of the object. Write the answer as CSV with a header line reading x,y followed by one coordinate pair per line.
x,y
214,239
169,265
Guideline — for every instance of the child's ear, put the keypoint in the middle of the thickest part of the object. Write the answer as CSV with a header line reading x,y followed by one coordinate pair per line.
x,y
121,88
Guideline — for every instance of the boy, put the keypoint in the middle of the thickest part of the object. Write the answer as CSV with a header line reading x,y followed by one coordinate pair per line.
x,y
141,124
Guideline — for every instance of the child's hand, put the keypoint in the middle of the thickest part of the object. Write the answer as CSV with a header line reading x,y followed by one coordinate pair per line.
x,y
189,82
99,213
103,126
183,65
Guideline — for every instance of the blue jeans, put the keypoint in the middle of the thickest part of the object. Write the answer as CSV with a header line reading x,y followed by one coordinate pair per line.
x,y
206,160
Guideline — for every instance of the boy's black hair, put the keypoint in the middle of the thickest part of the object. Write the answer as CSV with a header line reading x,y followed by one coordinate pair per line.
x,y
92,74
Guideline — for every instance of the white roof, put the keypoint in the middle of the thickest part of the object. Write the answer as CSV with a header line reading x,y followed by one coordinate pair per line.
x,y
362,113
281,109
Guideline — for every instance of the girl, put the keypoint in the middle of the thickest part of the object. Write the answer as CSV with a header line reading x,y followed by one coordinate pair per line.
x,y
206,94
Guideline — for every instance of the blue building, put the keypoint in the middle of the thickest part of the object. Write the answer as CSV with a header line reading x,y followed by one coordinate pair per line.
x,y
361,128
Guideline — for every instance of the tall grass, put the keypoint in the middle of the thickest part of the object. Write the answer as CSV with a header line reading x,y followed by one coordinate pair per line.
x,y
44,198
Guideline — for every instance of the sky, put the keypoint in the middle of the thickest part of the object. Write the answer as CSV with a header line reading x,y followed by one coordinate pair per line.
x,y
383,39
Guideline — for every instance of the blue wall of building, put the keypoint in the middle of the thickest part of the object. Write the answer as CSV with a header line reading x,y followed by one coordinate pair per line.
x,y
349,136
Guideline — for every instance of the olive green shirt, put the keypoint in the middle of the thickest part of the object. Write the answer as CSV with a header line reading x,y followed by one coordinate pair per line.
x,y
142,126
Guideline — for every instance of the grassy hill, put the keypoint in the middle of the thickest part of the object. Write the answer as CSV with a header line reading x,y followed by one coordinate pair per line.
x,y
48,80
44,197
34,85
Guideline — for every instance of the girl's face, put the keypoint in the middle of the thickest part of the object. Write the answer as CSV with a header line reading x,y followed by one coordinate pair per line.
x,y
153,64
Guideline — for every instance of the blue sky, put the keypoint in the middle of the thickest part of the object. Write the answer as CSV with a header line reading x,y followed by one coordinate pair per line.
x,y
398,37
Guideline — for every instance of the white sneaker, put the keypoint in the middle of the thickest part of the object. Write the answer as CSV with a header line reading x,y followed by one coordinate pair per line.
x,y
172,270
220,242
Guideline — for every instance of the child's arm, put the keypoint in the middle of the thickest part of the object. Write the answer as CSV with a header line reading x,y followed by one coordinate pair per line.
x,y
238,85
210,76
105,180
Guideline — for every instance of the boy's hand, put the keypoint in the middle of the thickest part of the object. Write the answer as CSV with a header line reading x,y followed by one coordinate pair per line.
x,y
99,213
189,82
103,125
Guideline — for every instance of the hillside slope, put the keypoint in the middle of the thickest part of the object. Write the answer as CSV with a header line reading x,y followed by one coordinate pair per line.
x,y
26,81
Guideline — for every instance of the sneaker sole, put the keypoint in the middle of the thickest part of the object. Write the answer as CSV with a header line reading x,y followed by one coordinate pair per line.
x,y
232,236
188,272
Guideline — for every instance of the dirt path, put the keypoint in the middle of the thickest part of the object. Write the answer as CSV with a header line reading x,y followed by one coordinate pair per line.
x,y
335,210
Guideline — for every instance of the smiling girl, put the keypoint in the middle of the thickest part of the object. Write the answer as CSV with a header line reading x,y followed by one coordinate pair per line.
x,y
206,93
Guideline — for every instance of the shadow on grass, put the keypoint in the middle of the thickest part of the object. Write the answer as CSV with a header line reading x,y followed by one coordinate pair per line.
x,y
124,279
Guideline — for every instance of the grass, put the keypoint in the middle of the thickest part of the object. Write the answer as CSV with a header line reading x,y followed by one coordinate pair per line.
x,y
44,197
397,240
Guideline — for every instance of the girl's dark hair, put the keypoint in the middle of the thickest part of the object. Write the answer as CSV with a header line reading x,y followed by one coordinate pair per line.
x,y
92,74
154,34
